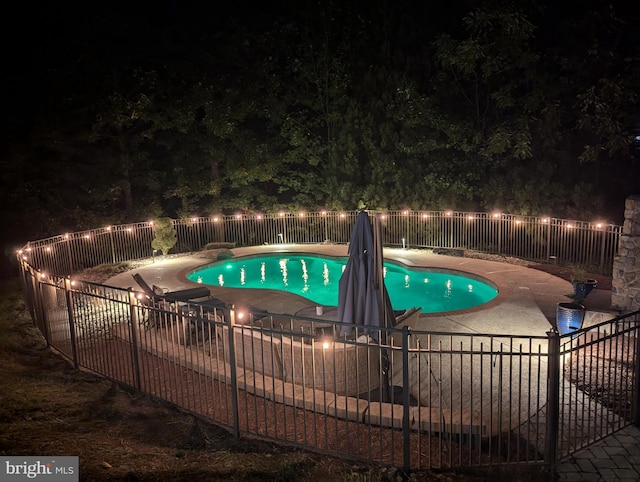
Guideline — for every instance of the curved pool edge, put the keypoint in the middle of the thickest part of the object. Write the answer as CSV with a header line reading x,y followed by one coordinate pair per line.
x,y
290,303
330,252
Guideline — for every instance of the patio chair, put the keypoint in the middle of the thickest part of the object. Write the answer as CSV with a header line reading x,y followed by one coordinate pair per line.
x,y
165,308
184,295
408,318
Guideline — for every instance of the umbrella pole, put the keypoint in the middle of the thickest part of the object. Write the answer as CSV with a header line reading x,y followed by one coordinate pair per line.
x,y
379,261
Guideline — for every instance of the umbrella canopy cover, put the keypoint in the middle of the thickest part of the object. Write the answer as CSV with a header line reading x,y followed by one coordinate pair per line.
x,y
362,297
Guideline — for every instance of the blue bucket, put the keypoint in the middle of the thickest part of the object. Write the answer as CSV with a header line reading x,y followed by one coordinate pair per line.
x,y
569,317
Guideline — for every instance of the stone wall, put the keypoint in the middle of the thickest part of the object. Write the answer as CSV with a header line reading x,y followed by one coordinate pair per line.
x,y
625,284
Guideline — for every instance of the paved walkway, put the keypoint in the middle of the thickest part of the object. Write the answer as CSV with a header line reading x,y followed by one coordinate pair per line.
x,y
615,458
529,293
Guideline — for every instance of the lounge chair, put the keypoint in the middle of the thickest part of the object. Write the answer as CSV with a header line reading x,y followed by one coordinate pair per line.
x,y
158,293
408,318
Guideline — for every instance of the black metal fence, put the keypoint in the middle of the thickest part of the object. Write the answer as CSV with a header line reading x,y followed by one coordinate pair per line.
x,y
416,400
591,245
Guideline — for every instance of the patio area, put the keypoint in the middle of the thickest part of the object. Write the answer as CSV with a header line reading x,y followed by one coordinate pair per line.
x,y
526,303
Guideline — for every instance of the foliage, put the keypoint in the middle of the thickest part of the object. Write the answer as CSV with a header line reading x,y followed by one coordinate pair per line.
x,y
165,235
103,272
525,108
579,275
226,254
217,245
582,284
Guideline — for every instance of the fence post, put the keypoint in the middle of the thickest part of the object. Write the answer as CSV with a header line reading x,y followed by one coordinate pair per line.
x,y
67,242
27,289
40,308
113,248
234,373
133,324
406,401
548,254
553,398
636,375
71,315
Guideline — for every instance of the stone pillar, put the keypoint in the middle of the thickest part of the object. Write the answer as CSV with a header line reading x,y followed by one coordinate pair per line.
x,y
625,283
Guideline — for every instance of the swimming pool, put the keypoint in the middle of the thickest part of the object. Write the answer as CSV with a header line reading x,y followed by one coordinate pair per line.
x,y
316,278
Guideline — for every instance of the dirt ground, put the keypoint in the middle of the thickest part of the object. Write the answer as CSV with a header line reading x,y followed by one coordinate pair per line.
x,y
49,408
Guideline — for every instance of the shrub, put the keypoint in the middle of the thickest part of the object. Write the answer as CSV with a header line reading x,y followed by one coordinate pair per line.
x,y
226,254
165,235
219,245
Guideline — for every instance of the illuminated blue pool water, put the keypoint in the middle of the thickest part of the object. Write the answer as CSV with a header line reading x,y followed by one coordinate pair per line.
x,y
316,278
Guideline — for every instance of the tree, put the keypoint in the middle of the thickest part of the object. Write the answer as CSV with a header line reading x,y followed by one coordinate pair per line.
x,y
165,235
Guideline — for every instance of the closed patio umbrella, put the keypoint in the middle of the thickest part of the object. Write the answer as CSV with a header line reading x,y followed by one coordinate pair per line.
x,y
362,297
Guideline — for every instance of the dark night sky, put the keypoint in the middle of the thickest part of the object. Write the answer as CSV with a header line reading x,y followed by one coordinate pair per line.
x,y
54,40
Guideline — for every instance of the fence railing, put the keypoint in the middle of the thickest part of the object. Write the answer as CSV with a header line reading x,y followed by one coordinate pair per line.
x,y
415,400
591,245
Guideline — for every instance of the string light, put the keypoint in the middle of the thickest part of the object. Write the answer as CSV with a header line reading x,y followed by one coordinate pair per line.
x,y
599,225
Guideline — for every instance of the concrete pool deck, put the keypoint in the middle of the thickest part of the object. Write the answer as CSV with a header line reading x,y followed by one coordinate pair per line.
x,y
525,305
